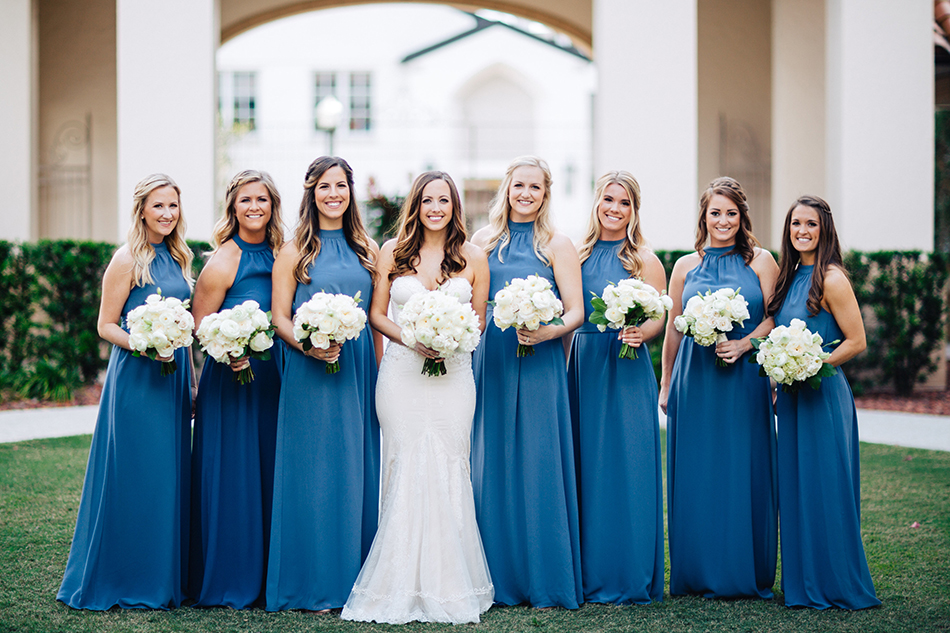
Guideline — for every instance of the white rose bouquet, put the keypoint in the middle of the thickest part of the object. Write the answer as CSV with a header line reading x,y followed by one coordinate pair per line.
x,y
244,330
160,326
440,322
631,302
328,318
526,304
793,356
707,318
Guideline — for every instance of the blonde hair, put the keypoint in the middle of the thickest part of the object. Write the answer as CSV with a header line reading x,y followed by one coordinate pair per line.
x,y
500,211
630,251
307,233
227,226
139,247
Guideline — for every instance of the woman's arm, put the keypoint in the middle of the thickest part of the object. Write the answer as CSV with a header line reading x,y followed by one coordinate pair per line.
x,y
117,283
481,280
840,301
213,283
567,276
654,275
671,343
767,270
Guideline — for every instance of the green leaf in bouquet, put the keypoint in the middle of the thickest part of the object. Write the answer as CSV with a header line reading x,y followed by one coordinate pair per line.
x,y
556,321
598,303
827,369
598,318
306,344
756,342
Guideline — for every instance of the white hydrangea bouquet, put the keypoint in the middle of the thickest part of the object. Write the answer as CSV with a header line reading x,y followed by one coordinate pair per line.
x,y
328,318
793,357
526,304
707,318
631,302
244,330
160,326
441,322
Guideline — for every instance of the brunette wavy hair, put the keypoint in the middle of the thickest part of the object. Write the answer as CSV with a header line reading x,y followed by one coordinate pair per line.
x,y
745,240
500,210
143,253
411,233
630,251
307,233
828,254
227,226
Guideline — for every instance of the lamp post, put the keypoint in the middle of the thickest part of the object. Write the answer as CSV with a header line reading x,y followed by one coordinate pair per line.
x,y
329,113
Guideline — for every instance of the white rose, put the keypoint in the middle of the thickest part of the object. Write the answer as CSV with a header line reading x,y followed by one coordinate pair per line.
x,y
261,342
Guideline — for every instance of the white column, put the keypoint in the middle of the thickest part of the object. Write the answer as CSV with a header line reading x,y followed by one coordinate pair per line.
x,y
880,122
646,109
166,103
798,106
19,123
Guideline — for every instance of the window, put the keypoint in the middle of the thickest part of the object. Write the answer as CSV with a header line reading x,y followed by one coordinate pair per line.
x,y
360,101
244,99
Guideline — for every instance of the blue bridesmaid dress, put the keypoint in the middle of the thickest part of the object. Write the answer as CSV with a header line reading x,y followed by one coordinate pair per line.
x,y
617,453
233,459
326,477
130,548
823,561
721,481
522,454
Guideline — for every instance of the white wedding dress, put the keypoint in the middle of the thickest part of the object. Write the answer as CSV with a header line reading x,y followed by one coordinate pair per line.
x,y
427,562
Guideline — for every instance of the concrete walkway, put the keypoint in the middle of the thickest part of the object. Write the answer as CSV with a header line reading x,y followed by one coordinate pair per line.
x,y
878,427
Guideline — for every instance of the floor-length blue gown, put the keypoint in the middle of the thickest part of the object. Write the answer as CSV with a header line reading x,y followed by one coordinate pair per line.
x,y
233,459
617,453
721,483
823,561
130,547
522,453
326,477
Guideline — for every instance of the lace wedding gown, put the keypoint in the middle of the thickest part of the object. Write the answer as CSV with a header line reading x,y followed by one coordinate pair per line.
x,y
427,561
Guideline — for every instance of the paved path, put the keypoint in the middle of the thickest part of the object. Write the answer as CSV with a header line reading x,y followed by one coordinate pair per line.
x,y
879,427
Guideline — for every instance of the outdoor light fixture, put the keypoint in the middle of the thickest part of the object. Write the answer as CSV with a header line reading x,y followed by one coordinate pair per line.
x,y
329,113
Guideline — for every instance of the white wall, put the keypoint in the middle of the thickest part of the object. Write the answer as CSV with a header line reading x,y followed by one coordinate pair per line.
x,y
880,122
646,113
166,104
419,108
18,125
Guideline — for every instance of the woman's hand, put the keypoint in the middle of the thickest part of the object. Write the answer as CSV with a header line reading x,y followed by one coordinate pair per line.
x,y
427,352
542,334
328,355
165,359
237,364
731,351
631,335
664,397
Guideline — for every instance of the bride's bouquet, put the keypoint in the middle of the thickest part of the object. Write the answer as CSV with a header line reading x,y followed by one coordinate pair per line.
x,y
328,318
793,356
707,318
526,304
160,326
441,322
244,330
631,302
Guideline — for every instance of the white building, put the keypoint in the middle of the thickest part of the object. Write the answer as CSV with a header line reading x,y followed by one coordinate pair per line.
x,y
464,95
833,97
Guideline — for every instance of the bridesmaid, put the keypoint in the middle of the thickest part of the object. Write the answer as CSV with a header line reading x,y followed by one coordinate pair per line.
x,y
823,561
721,493
326,479
522,452
130,547
235,425
613,405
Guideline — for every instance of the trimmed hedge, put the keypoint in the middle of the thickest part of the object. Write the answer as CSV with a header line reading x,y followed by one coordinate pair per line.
x,y
49,305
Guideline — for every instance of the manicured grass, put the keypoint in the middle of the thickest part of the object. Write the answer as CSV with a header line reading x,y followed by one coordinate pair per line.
x,y
40,483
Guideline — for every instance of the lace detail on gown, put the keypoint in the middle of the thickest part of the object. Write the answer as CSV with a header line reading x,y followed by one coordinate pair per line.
x,y
427,562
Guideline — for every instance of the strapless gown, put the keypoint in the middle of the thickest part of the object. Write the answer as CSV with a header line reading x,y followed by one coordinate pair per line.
x,y
426,562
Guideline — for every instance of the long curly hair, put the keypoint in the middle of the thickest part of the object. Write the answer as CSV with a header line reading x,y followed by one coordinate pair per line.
x,y
630,251
828,254
227,226
411,233
143,253
730,188
500,210
307,233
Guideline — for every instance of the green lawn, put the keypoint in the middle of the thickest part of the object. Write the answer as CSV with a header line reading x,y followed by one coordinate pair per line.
x,y
40,482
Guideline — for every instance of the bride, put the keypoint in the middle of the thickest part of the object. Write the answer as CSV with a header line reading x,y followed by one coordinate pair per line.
x,y
426,562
